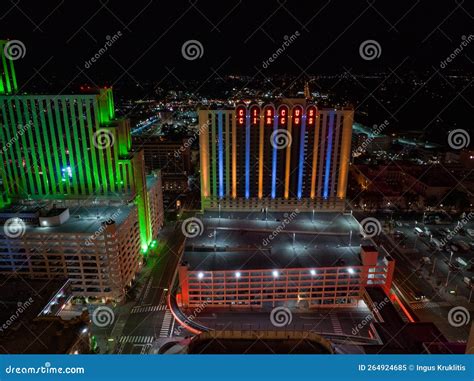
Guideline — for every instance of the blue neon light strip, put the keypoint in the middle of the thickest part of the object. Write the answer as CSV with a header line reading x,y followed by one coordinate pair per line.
x,y
220,145
274,160
328,155
247,155
301,163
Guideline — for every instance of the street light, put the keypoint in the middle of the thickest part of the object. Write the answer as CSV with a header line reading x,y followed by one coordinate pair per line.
x,y
201,275
237,274
275,274
312,272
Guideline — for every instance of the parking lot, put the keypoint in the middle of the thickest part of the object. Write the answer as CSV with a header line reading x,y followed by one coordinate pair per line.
x,y
441,250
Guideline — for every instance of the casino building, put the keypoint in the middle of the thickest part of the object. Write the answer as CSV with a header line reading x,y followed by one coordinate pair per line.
x,y
275,156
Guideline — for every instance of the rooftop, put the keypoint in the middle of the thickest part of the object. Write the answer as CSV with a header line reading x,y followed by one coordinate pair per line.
x,y
247,242
84,219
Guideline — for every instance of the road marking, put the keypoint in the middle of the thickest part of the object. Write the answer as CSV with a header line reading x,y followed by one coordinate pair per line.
x,y
336,325
423,305
136,339
145,349
165,326
143,309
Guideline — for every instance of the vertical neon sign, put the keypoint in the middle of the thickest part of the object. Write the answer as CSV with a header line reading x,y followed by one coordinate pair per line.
x,y
271,122
328,155
255,124
299,120
220,145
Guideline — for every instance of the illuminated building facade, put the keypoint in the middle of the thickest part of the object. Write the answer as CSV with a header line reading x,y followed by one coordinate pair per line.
x,y
328,286
286,156
97,249
68,147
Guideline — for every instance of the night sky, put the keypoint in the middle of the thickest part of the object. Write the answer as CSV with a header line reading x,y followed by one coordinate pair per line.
x,y
237,37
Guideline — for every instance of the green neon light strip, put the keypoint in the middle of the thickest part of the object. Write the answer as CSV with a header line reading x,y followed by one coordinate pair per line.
x,y
78,155
8,155
213,157
84,140
41,151
56,172
50,172
90,129
72,162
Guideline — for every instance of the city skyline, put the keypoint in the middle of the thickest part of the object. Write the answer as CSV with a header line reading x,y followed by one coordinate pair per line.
x,y
269,178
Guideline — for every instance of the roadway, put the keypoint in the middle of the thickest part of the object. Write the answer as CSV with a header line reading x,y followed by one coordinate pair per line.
x,y
430,282
149,319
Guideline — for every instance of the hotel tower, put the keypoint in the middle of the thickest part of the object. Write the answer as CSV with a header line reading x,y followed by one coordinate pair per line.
x,y
275,156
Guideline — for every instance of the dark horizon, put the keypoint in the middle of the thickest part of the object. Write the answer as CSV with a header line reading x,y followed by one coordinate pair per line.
x,y
236,37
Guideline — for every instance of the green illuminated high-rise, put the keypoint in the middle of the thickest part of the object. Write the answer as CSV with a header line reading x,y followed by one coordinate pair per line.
x,y
67,147
7,76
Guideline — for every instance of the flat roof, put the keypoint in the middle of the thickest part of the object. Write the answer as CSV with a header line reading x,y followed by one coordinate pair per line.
x,y
247,242
86,219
